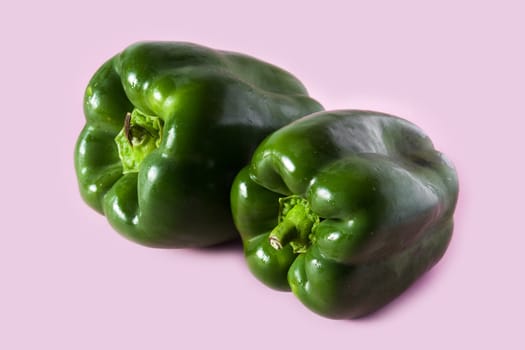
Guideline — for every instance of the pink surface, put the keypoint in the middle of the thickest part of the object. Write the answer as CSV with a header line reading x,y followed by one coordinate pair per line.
x,y
68,281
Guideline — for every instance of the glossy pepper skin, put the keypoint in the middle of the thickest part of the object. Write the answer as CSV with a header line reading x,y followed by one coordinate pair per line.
x,y
168,125
345,208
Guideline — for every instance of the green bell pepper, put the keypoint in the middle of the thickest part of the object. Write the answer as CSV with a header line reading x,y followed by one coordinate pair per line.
x,y
345,208
168,127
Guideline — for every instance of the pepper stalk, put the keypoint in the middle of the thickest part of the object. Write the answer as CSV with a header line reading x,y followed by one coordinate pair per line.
x,y
141,135
297,221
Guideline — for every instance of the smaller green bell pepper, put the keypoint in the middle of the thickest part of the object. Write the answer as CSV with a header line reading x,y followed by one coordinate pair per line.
x,y
345,208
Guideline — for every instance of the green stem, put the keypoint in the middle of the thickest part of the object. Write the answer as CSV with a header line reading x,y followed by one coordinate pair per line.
x,y
296,223
283,233
140,136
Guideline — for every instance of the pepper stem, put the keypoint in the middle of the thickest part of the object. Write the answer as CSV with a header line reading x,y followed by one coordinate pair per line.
x,y
140,136
296,223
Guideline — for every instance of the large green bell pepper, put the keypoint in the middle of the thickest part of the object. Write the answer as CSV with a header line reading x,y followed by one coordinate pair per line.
x,y
345,208
168,127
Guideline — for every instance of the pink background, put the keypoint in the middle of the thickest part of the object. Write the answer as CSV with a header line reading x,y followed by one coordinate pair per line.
x,y
456,68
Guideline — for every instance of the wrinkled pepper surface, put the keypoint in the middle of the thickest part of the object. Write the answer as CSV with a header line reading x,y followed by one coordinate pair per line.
x,y
345,208
168,127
